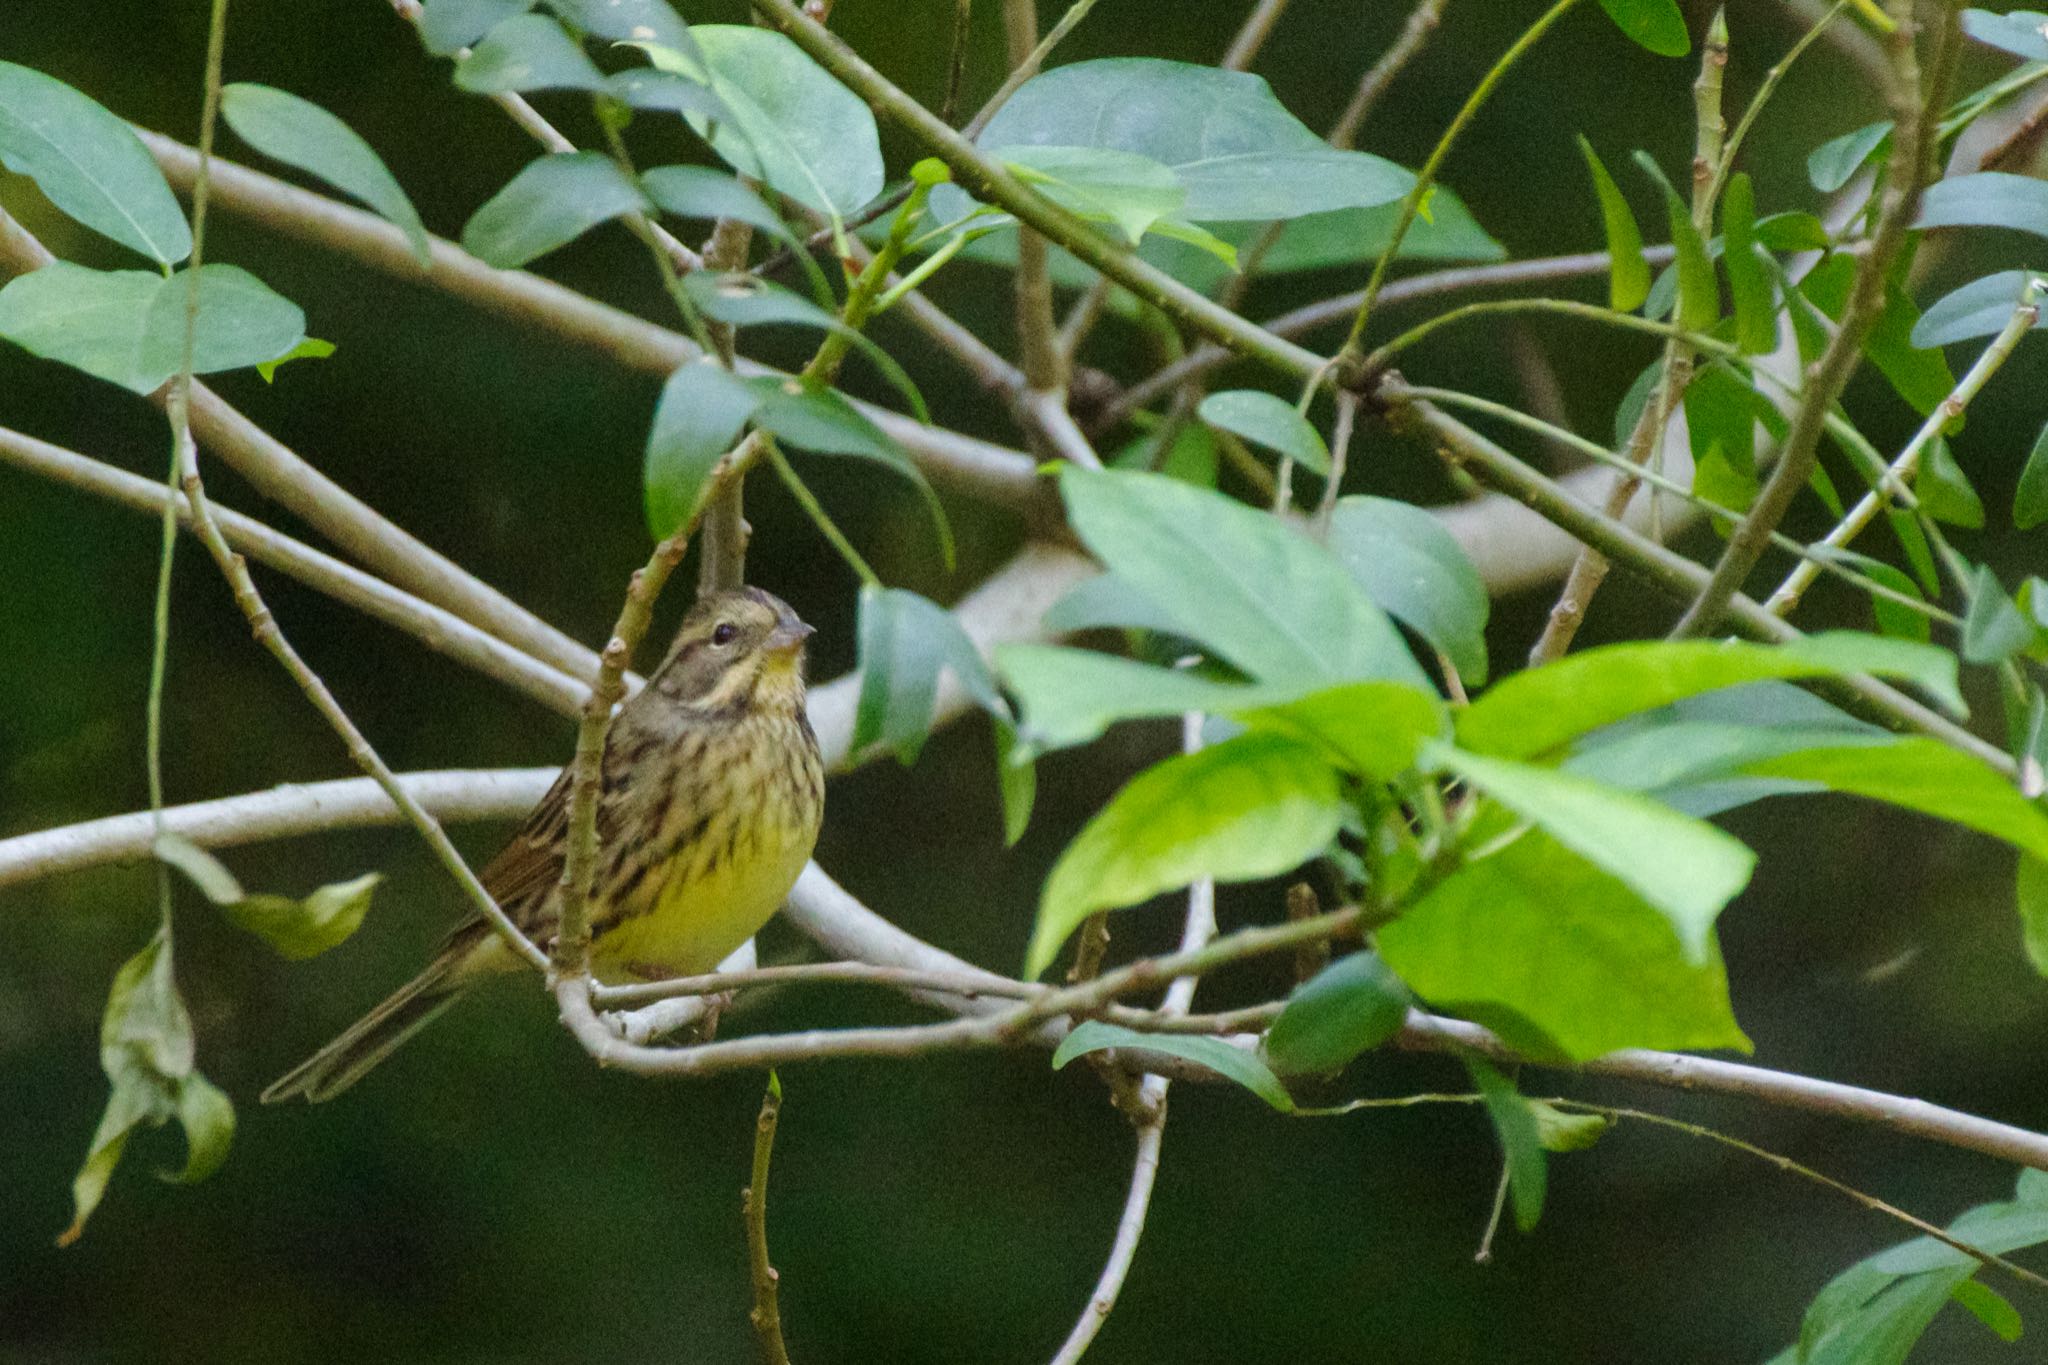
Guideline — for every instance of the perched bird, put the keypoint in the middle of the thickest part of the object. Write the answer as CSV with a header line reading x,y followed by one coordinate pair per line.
x,y
709,807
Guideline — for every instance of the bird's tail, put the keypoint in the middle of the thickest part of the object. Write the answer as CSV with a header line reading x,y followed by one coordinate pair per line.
x,y
376,1035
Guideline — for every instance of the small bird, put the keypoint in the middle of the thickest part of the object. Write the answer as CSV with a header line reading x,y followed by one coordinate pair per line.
x,y
709,807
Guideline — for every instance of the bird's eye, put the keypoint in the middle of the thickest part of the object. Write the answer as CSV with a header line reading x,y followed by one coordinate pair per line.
x,y
724,633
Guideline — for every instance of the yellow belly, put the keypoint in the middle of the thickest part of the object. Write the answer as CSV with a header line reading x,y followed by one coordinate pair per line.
x,y
698,915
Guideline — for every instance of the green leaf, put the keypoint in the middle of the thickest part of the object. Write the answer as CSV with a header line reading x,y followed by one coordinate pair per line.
x,y
1655,24
89,164
701,192
1228,1061
2032,894
1685,868
818,419
1417,573
1720,422
1265,599
621,20
1354,1004
1193,457
550,203
1792,232
128,326
1373,729
702,408
1070,696
906,643
791,125
1944,490
526,52
645,87
300,133
1017,779
1986,199
1980,308
1835,163
1628,276
1749,282
146,1051
1993,629
1236,150
297,929
1923,775
1919,376
743,300
1559,957
1106,601
1521,1141
1990,1307
1534,712
1131,191
208,1117
1699,293
448,26
312,348
1251,807
1269,421
2030,502
1560,1131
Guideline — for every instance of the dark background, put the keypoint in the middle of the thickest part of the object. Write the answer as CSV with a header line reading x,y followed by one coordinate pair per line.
x,y
491,1196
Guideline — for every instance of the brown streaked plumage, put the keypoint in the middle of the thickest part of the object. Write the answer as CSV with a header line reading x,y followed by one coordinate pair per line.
x,y
710,799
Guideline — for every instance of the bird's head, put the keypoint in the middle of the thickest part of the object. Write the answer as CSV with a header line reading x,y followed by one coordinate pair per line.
x,y
740,648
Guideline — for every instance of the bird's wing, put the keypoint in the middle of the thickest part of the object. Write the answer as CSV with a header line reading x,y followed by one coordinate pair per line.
x,y
518,878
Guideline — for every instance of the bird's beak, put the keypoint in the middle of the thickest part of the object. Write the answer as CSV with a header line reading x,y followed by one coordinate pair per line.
x,y
789,635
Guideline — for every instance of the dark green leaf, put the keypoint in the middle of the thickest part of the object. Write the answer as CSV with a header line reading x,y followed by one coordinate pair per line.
x,y
1254,806
1980,308
701,192
1993,629
1987,199
89,164
703,406
790,125
1236,150
818,419
1559,957
1534,712
1685,868
1520,1139
745,301
553,201
447,26
1017,778
621,20
1354,1004
302,134
1628,276
1944,490
2020,32
128,326
1835,163
1270,421
1101,185
906,643
1263,598
1749,282
1699,293
645,87
526,52
1193,458
1417,573
1228,1061
1655,24
1106,601
2030,502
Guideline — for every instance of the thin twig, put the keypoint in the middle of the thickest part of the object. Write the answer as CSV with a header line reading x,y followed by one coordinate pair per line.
x,y
767,1312
1912,164
1900,474
1252,34
1415,35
